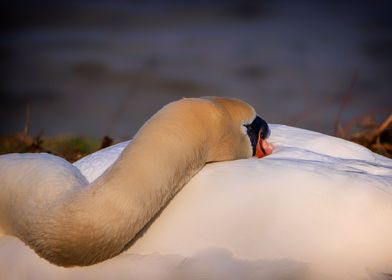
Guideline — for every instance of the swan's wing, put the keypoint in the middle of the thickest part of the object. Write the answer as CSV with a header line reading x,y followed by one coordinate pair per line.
x,y
295,146
93,165
318,143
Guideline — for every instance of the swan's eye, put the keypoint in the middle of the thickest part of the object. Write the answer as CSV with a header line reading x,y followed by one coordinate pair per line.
x,y
247,126
264,130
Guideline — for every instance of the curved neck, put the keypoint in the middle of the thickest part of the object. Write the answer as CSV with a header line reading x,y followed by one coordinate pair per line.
x,y
85,225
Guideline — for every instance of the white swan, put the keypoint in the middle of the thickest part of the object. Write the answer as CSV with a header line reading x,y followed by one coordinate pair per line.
x,y
45,202
317,208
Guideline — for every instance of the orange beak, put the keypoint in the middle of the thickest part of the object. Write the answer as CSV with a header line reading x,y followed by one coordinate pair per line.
x,y
263,148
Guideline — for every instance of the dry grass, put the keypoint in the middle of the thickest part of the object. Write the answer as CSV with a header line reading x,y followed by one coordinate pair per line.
x,y
69,147
364,130
367,132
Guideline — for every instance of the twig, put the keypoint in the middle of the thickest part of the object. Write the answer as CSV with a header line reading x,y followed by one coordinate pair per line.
x,y
345,99
384,125
375,136
26,123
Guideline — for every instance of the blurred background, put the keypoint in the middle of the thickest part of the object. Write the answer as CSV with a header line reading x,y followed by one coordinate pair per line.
x,y
98,68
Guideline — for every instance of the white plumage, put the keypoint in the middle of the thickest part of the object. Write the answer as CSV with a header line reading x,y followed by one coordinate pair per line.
x,y
318,208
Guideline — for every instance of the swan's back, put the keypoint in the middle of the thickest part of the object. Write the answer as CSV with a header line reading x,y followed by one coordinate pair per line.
x,y
317,199
332,213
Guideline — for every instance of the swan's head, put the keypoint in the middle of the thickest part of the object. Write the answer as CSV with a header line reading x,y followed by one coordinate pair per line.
x,y
243,132
213,128
258,131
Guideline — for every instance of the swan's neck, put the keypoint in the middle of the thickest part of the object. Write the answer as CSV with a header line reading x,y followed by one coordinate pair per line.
x,y
86,224
147,175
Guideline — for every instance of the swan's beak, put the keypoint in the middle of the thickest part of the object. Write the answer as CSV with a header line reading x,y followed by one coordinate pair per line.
x,y
263,148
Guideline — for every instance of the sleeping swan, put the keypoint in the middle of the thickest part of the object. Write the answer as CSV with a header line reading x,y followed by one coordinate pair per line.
x,y
318,207
48,204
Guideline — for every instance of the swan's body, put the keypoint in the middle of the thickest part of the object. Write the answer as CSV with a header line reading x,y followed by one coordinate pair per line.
x,y
81,224
317,208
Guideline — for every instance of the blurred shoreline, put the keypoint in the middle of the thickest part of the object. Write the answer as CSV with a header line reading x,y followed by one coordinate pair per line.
x,y
103,68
